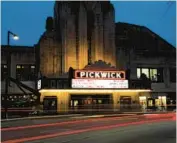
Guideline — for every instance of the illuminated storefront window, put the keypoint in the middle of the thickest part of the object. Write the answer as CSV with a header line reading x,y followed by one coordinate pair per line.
x,y
143,102
75,103
162,100
99,101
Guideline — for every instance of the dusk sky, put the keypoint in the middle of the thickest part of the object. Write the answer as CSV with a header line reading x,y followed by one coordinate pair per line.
x,y
27,19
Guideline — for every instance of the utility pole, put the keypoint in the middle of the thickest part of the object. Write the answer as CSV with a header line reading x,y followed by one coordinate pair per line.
x,y
7,76
8,62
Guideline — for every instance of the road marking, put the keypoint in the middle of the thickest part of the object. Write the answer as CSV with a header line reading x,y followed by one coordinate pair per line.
x,y
79,131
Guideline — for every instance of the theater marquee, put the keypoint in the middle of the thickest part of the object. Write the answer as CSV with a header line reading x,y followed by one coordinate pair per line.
x,y
115,75
94,83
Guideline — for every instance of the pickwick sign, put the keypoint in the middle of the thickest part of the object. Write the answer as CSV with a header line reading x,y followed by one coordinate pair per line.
x,y
86,74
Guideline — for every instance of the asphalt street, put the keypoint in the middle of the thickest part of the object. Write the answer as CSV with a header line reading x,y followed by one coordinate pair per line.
x,y
161,132
104,130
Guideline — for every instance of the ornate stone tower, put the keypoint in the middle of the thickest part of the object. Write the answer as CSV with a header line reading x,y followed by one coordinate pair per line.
x,y
49,52
83,32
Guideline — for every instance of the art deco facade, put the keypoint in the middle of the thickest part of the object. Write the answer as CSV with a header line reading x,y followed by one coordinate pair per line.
x,y
83,33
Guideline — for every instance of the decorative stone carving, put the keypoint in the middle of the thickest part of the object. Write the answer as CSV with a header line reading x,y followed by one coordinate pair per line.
x,y
101,65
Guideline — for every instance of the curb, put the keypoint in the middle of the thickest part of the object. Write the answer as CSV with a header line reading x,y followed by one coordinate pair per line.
x,y
41,117
72,116
82,116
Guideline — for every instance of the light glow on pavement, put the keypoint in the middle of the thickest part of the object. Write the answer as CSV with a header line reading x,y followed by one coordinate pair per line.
x,y
80,131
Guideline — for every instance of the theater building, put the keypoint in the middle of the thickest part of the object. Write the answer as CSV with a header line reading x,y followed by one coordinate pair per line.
x,y
97,87
84,60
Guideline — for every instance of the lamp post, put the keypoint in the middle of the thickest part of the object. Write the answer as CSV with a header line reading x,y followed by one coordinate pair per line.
x,y
8,61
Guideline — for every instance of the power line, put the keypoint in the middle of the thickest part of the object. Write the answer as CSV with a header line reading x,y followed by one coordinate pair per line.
x,y
169,3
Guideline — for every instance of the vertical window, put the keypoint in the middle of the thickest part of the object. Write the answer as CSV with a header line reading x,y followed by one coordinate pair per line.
x,y
18,72
153,74
138,72
3,71
160,75
32,73
59,84
172,74
25,72
53,84
145,71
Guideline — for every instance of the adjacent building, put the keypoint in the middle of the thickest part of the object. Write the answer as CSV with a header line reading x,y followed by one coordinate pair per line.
x,y
22,68
142,51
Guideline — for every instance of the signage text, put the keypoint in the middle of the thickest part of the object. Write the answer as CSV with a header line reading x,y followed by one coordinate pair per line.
x,y
81,74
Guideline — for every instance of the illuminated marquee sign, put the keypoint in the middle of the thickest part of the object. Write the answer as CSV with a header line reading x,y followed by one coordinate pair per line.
x,y
94,83
83,74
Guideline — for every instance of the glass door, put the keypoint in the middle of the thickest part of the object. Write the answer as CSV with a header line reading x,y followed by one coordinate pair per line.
x,y
50,105
125,103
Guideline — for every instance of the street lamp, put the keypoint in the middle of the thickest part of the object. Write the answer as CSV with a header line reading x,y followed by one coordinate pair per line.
x,y
8,61
15,37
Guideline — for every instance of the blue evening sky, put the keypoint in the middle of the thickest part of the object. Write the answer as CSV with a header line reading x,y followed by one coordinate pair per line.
x,y
27,18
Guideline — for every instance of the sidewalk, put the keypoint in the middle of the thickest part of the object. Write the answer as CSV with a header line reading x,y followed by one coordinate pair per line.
x,y
75,116
71,115
42,117
55,119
